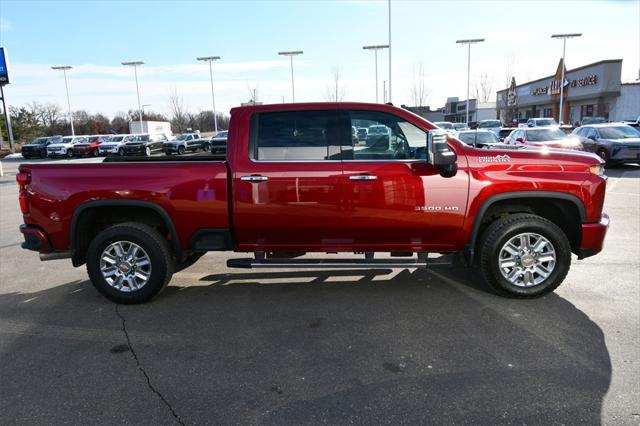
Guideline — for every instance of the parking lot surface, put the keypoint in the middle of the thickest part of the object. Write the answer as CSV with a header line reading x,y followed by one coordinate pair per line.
x,y
338,347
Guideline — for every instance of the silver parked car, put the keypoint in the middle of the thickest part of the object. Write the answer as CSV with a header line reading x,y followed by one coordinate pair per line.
x,y
615,143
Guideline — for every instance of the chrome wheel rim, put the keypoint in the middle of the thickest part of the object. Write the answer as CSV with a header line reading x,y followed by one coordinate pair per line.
x,y
527,259
125,266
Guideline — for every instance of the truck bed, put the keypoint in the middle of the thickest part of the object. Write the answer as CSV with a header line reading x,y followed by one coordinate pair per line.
x,y
194,196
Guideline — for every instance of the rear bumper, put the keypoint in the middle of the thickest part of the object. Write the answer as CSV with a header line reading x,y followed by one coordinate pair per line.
x,y
35,239
593,237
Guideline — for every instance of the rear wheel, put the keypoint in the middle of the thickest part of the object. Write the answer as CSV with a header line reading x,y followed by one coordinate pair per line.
x,y
129,263
206,147
524,256
147,151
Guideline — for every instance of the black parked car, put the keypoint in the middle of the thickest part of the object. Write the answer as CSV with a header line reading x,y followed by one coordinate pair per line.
x,y
218,143
37,148
615,143
145,145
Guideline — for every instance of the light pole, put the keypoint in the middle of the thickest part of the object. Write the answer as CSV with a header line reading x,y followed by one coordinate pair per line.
x,y
135,64
564,38
210,59
389,8
64,69
375,49
291,55
469,42
145,105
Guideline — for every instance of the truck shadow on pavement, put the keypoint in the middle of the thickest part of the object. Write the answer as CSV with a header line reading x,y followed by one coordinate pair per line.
x,y
333,347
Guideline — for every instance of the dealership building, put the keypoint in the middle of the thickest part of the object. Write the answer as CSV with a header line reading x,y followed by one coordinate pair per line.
x,y
593,90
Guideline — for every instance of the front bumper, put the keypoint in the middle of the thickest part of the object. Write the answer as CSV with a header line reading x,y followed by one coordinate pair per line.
x,y
108,150
170,148
625,155
84,151
138,149
35,239
593,237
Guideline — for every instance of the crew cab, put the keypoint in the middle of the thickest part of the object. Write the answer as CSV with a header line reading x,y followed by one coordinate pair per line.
x,y
115,145
38,147
294,182
91,146
64,147
185,142
145,144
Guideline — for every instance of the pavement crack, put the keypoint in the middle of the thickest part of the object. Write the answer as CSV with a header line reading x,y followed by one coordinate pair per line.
x,y
142,370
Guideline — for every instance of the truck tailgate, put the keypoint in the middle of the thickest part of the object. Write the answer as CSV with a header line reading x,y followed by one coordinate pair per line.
x,y
193,193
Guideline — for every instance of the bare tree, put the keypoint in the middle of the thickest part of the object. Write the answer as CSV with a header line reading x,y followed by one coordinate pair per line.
x,y
418,93
51,115
335,91
177,110
483,88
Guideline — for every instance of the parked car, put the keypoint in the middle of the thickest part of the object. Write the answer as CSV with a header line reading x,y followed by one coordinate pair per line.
x,y
145,144
378,135
543,137
615,143
134,224
446,126
37,148
91,146
592,120
541,122
115,145
460,126
186,142
219,143
64,148
362,134
633,123
482,139
490,125
504,132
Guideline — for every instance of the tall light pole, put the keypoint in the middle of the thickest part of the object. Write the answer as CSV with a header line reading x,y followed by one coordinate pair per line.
x,y
291,54
135,64
389,8
375,49
469,42
64,69
564,38
210,59
145,105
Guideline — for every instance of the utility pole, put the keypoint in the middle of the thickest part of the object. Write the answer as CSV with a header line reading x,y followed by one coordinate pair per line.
x,y
564,38
469,42
210,59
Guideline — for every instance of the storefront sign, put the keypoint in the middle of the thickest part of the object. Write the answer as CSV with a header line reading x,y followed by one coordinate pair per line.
x,y
589,80
554,86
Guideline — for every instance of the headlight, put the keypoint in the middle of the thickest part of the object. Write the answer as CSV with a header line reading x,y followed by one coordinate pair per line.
x,y
597,170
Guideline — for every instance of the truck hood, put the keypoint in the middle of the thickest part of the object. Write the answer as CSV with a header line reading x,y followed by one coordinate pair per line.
x,y
554,158
60,145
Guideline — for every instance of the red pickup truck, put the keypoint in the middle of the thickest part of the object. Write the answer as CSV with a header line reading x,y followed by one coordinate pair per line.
x,y
295,181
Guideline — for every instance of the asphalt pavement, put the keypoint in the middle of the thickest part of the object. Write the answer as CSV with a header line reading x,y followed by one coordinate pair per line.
x,y
386,346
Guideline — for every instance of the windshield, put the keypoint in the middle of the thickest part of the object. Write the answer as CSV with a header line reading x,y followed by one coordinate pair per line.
x,y
545,135
378,130
67,140
618,132
143,138
38,141
488,124
444,125
117,138
482,138
546,122
593,120
222,134
181,137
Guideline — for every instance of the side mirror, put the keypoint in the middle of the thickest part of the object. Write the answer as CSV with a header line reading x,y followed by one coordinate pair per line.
x,y
521,140
439,154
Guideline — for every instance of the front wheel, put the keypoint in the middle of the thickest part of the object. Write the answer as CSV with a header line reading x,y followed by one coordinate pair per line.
x,y
206,147
524,256
129,263
69,153
180,150
147,151
121,152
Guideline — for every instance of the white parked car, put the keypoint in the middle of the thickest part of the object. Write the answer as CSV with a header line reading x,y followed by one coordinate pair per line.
x,y
65,147
115,145
494,126
447,126
541,122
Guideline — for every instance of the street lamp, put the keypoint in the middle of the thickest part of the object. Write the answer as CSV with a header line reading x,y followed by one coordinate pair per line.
x,y
64,69
291,55
375,49
210,59
469,42
564,38
135,64
145,105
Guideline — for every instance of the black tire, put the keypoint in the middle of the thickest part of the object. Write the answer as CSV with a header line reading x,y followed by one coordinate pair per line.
x,y
121,152
95,153
180,150
500,232
150,240
69,153
147,152
190,260
206,147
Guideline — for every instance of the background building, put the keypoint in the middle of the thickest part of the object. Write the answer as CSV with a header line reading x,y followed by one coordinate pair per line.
x,y
589,91
454,111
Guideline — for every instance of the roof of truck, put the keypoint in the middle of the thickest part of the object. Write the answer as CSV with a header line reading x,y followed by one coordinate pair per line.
x,y
313,105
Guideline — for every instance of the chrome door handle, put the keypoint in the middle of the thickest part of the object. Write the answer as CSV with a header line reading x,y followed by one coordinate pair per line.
x,y
363,177
254,178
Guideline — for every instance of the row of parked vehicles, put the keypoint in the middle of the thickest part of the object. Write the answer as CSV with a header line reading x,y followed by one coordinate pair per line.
x,y
124,144
615,143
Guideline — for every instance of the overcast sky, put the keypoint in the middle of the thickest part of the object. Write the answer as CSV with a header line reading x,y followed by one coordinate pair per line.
x,y
94,37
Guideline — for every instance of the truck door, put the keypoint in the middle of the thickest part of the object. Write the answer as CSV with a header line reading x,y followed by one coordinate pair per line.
x,y
394,199
288,184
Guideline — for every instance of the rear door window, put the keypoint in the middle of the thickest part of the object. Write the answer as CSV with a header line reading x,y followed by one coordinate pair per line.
x,y
298,135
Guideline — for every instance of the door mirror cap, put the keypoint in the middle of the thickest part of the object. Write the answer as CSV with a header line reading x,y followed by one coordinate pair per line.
x,y
439,154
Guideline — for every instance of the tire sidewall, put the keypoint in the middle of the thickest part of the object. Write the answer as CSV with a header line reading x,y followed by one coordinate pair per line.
x,y
560,244
156,255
